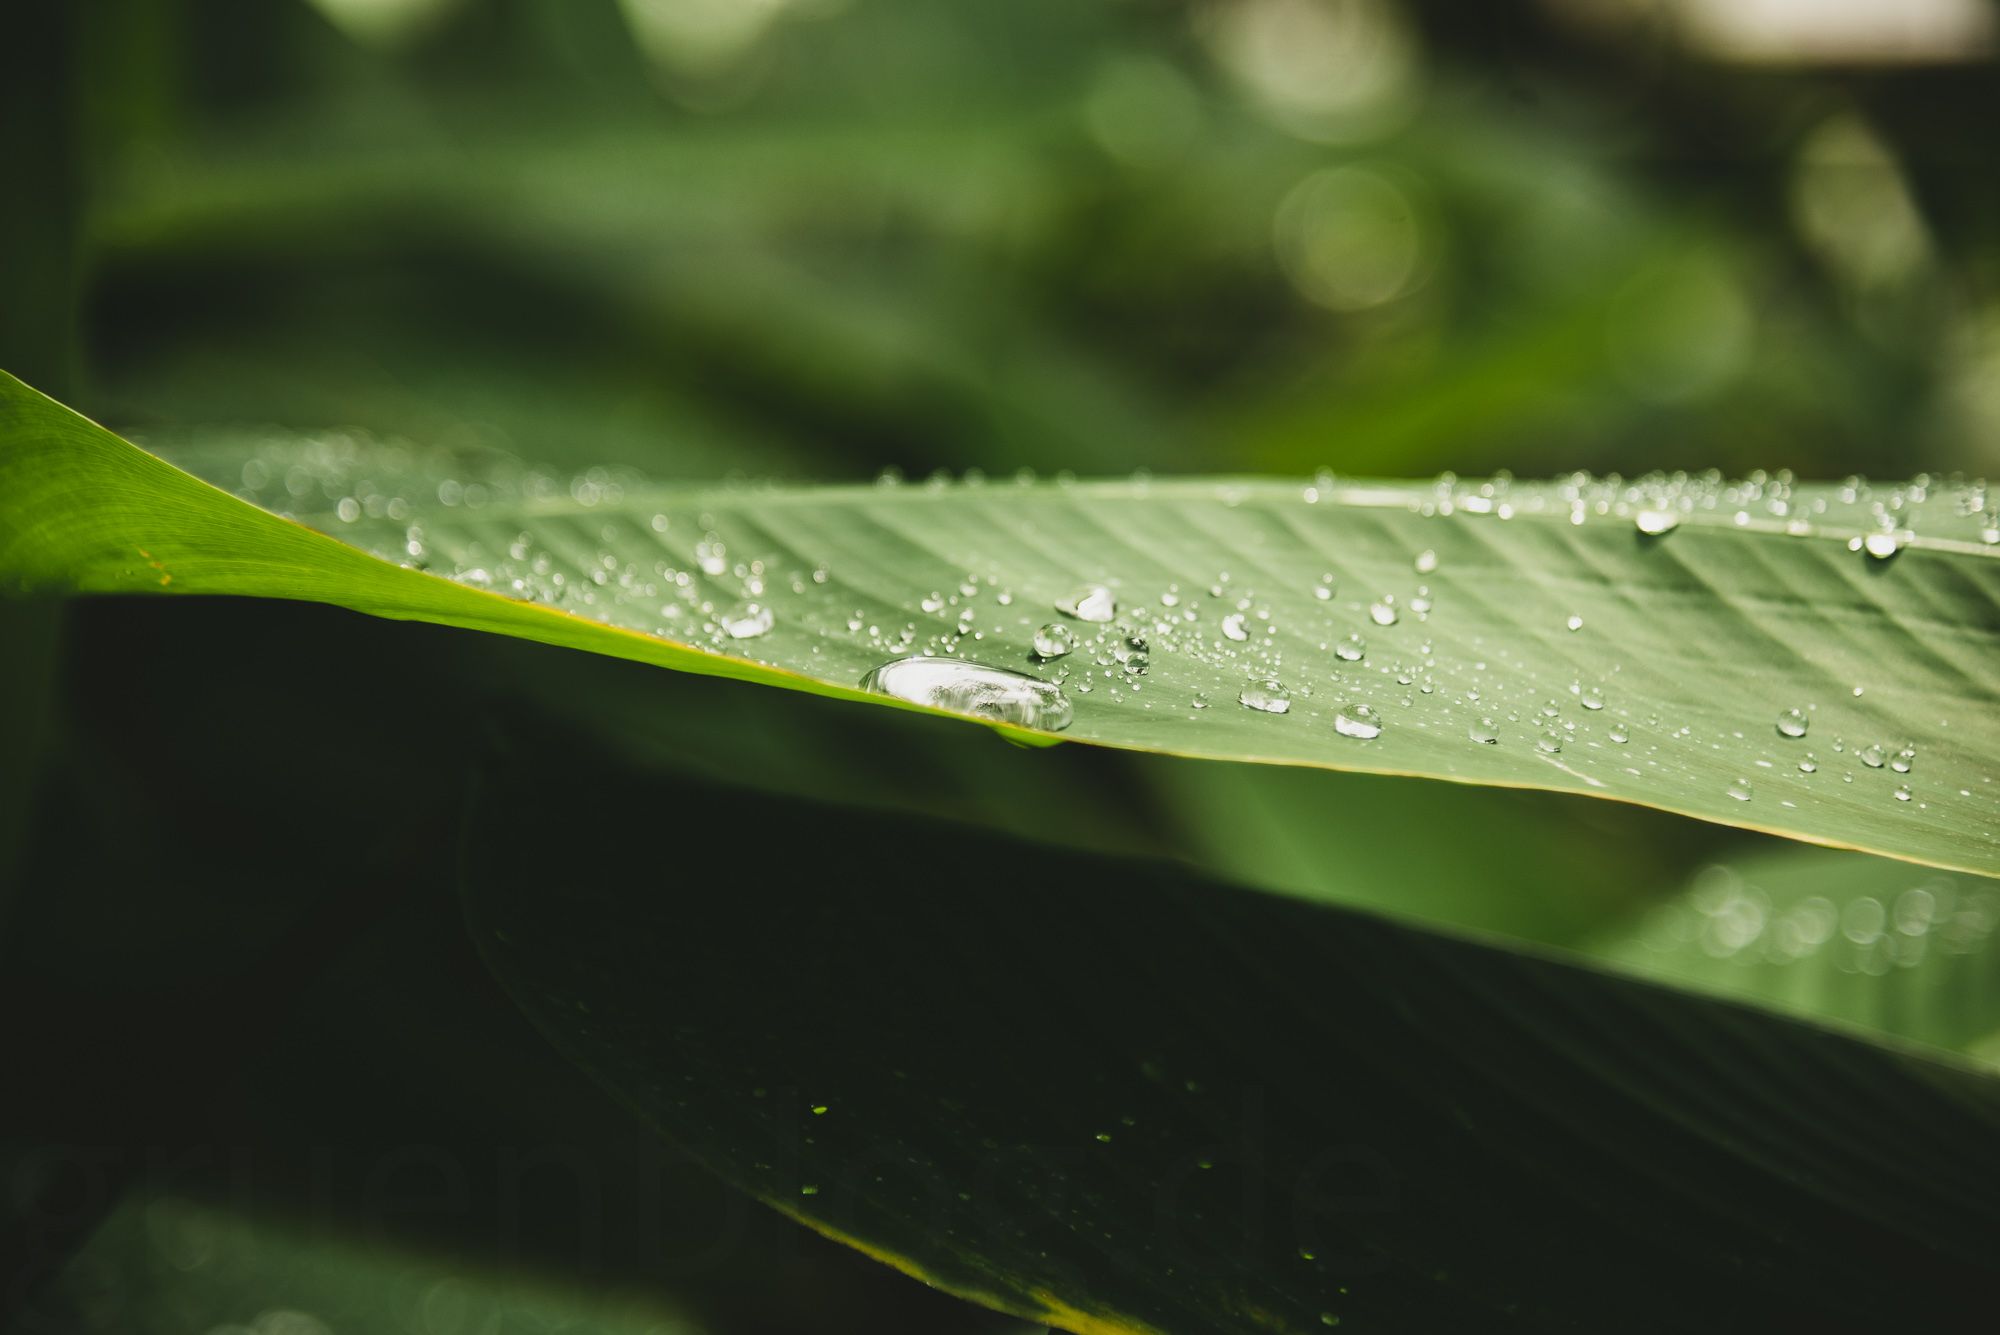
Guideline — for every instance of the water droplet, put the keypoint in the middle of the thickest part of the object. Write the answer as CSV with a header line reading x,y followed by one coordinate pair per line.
x,y
1872,755
1575,622
1903,759
1883,544
1740,790
1324,589
349,509
1619,734
1485,731
1199,701
746,621
997,695
1550,741
1590,697
1809,765
1053,641
1383,613
1357,720
1426,562
1089,602
1654,522
711,556
1232,627
1351,650
1267,696
1793,723
1902,793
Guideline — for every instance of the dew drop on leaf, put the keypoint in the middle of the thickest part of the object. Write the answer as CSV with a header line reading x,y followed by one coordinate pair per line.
x,y
1872,755
1357,720
1053,641
1654,522
1089,602
1741,790
1882,544
1903,759
997,695
1426,562
1793,723
1351,650
746,621
1484,731
1810,764
1575,622
1269,697
1382,613
1232,627
1902,793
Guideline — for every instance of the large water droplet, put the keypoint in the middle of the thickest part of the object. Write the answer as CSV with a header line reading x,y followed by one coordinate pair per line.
x,y
1550,741
1357,720
1654,522
1053,641
1089,602
1383,613
1267,696
1485,731
1883,544
1872,755
1351,650
1809,765
1903,759
998,695
746,621
1793,723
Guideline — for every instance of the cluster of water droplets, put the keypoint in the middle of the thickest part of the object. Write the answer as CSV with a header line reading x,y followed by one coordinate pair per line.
x,y
1345,653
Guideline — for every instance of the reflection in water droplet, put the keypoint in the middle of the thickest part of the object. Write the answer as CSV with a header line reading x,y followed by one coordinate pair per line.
x,y
1267,696
1089,602
1485,731
1872,755
997,695
1654,522
1793,723
1810,764
1357,720
1351,650
1903,759
746,621
1053,641
1741,790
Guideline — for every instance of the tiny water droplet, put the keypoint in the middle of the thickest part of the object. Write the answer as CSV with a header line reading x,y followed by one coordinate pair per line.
x,y
1793,723
1324,589
746,621
1654,522
1232,627
1351,650
1089,602
998,695
1357,720
1382,613
1740,790
1485,731
1269,697
1809,765
1200,701
1426,562
1575,622
1902,793
1053,641
1903,759
1590,697
1619,734
711,556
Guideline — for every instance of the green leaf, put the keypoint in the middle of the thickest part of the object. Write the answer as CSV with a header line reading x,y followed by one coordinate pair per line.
x,y
1534,636
1110,1095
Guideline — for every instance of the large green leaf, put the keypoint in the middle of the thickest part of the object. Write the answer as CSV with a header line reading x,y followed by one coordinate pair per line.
x,y
1115,1097
1507,633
